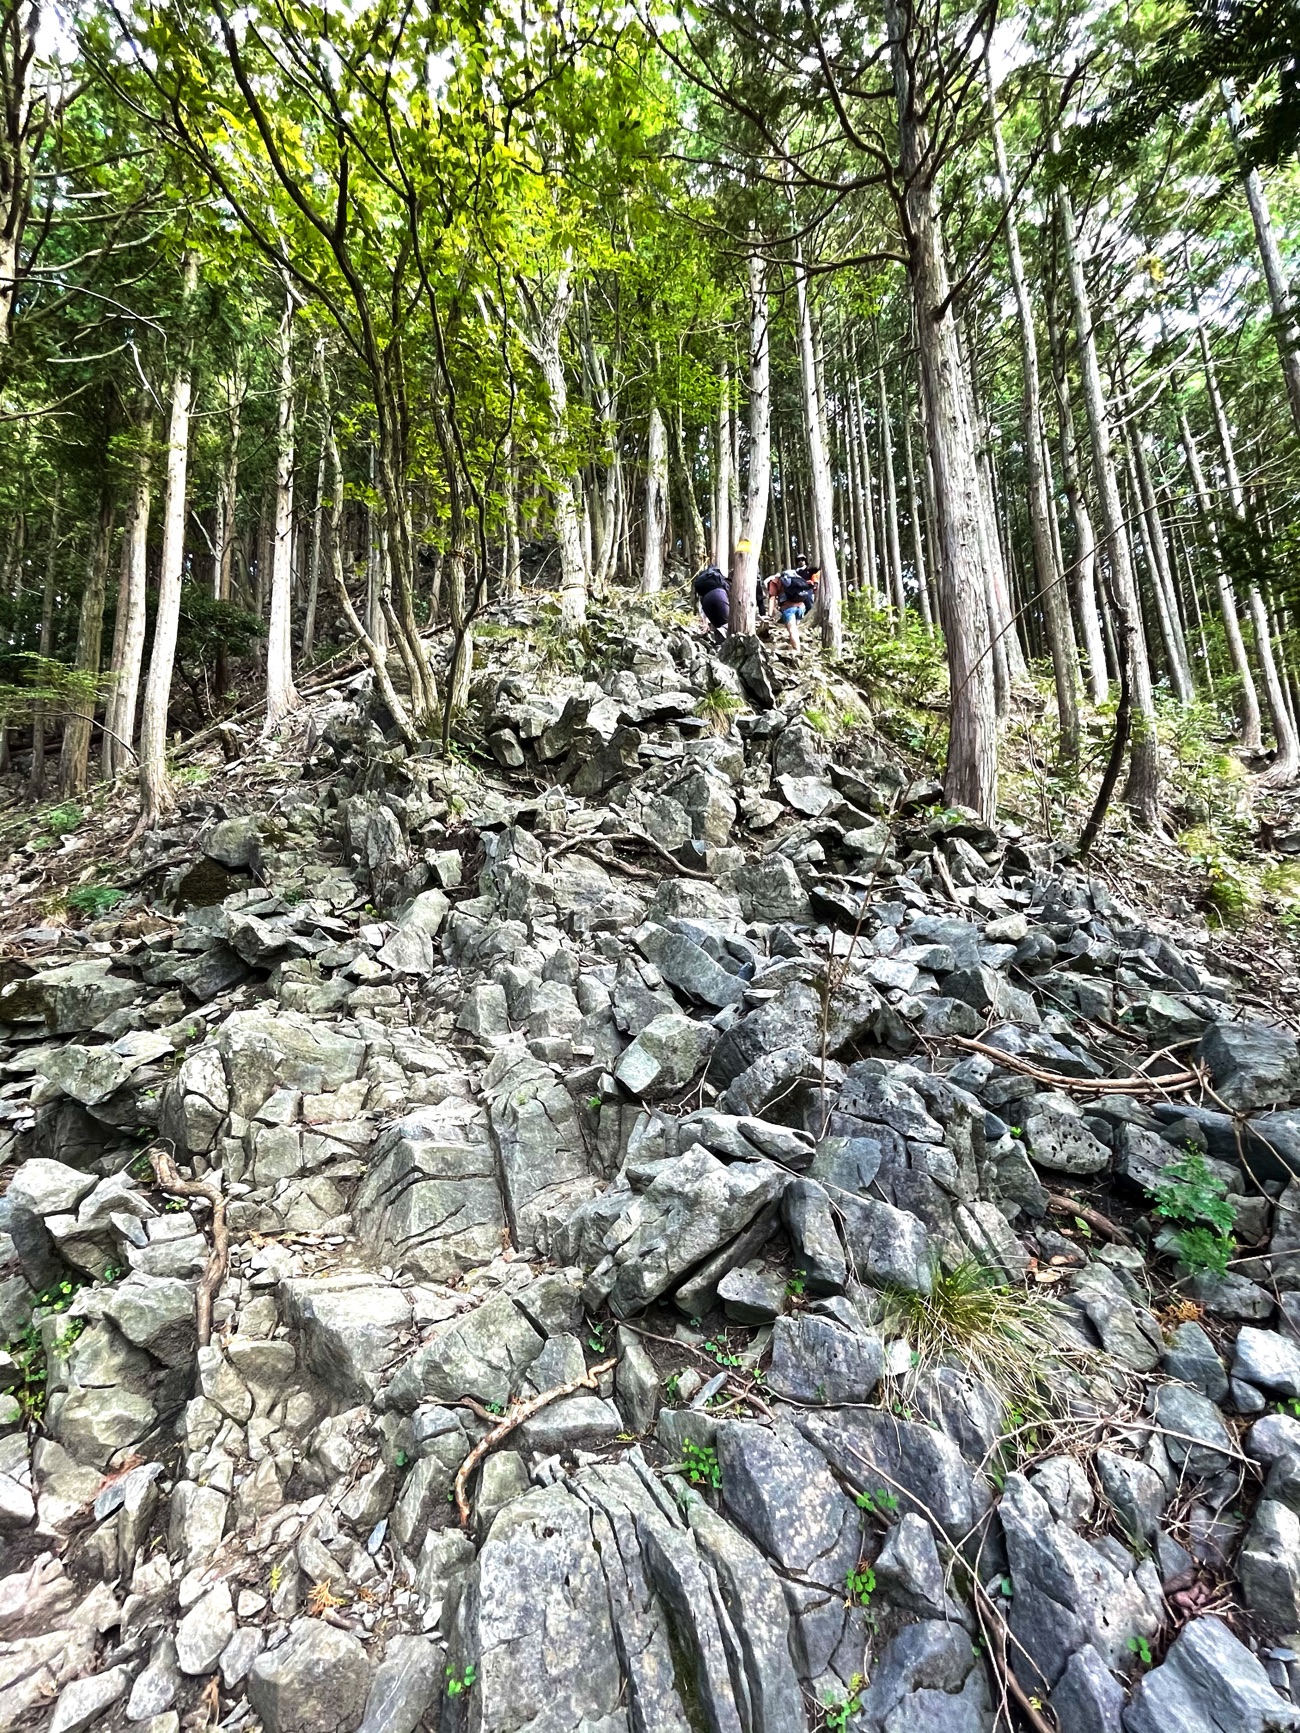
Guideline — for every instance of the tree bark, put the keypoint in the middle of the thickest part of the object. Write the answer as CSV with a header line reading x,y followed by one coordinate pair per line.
x,y
1085,540
157,796
722,477
828,598
1143,789
129,630
748,552
971,778
74,760
281,694
543,337
889,503
1286,329
45,639
1050,589
656,504
918,527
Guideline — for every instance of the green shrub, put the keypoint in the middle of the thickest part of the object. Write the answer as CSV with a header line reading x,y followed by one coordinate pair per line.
x,y
94,900
1188,1196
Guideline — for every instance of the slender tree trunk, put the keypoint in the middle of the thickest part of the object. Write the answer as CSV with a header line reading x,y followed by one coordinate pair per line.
x,y
45,639
74,760
1285,326
1286,761
157,797
889,503
281,694
313,560
656,504
971,778
543,337
1162,578
748,552
918,528
722,478
510,569
1085,540
129,630
1143,792
828,599
1050,589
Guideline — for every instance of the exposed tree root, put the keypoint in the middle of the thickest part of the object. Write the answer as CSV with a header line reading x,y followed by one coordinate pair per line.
x,y
164,1167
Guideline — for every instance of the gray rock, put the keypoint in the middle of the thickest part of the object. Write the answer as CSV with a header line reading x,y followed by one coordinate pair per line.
x,y
541,1144
817,1360
92,1424
485,1354
429,1201
810,1222
205,1630
349,1328
67,999
155,1688
239,1654
873,1448
909,1571
232,841
1069,1593
404,1686
694,1205
1274,1441
316,1681
636,1384
1136,1494
1191,1358
928,1677
1269,1565
88,1074
85,1701
689,967
1269,1360
155,1313
752,1294
1251,1064
886,1247
770,890
1127,1331
46,1188
665,1056
1088,1698
1059,1140
1194,1433
1208,1680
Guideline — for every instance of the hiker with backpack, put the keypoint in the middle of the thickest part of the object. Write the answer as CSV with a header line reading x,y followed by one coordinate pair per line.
x,y
713,598
794,593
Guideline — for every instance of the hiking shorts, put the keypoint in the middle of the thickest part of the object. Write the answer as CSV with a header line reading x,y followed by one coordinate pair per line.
x,y
792,612
715,605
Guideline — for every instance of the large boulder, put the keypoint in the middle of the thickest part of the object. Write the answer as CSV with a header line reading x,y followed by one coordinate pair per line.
x,y
1251,1064
316,1681
429,1201
1208,1680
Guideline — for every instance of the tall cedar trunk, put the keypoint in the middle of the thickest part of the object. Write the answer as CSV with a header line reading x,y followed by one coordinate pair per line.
x,y
656,504
129,630
828,599
693,528
748,552
1143,790
74,760
1162,579
157,798
971,778
1085,540
1047,576
313,561
281,695
23,115
722,477
510,579
1285,326
46,637
889,503
873,574
1008,655
854,443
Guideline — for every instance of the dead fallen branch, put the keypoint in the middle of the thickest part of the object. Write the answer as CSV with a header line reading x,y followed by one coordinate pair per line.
x,y
1135,1085
1103,1225
506,1425
638,837
214,1273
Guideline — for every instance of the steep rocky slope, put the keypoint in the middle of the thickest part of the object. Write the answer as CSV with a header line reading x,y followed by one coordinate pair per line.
x,y
655,1237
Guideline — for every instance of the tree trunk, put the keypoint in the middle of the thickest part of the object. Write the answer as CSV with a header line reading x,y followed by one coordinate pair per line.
x,y
313,561
74,760
1143,791
157,797
281,695
1286,762
971,778
828,598
918,528
1047,577
1085,541
722,478
543,338
889,503
128,633
1153,537
23,113
656,504
748,552
45,639
1285,327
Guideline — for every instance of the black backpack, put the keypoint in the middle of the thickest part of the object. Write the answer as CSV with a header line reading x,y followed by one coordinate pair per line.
x,y
797,587
708,580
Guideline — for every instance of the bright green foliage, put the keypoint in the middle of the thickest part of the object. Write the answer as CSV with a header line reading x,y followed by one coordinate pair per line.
x,y
94,900
717,707
1195,1201
839,1711
700,1464
458,1683
881,1502
860,1585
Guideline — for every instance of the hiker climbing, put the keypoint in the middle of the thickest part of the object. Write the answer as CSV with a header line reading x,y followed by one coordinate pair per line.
x,y
793,592
713,598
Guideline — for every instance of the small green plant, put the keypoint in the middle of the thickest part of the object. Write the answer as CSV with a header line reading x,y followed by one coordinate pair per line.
x,y
594,1103
797,1286
457,1683
717,707
1141,1648
860,1585
839,1711
598,1339
700,1464
276,1577
881,1502
1188,1196
29,1358
1291,1406
720,1353
61,820
94,900
673,1386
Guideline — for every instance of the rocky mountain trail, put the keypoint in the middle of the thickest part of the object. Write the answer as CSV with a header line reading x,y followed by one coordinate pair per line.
x,y
660,1223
